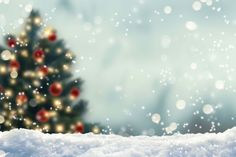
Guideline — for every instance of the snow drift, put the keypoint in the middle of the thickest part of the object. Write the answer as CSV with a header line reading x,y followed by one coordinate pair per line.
x,y
27,143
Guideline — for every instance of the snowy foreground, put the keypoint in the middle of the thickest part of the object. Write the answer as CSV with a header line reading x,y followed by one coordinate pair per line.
x,y
26,143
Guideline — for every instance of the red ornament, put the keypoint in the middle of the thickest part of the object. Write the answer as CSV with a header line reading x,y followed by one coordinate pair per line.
x,y
55,89
79,127
74,93
38,55
42,116
52,37
14,65
11,43
43,70
21,98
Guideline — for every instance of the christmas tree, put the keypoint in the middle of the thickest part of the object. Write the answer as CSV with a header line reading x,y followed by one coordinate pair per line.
x,y
38,90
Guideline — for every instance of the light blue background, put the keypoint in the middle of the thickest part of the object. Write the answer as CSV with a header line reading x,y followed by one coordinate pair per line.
x,y
136,60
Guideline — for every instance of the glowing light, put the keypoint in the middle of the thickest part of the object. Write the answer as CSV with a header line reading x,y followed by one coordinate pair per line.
x,y
8,93
191,26
96,130
209,2
28,8
3,69
6,55
57,103
24,53
37,20
156,118
48,31
193,66
60,128
180,104
208,109
14,74
197,5
220,85
167,9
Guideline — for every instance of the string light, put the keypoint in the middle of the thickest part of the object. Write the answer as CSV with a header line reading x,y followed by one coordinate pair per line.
x,y
37,20
59,50
36,83
12,81
96,130
8,92
69,55
65,67
68,109
46,127
27,121
3,69
48,31
59,128
28,27
24,53
57,103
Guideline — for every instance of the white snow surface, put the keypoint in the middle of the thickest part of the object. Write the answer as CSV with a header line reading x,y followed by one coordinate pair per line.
x,y
28,143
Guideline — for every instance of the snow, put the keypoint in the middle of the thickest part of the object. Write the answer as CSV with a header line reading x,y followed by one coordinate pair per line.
x,y
26,143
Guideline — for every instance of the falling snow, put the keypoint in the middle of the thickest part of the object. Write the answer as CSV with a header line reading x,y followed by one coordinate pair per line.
x,y
150,58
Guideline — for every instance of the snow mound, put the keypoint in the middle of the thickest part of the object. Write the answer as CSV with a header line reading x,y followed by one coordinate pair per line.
x,y
28,143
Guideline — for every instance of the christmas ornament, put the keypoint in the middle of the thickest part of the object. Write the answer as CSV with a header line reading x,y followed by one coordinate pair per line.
x,y
6,55
43,70
14,74
11,42
21,99
79,127
52,36
14,65
55,89
74,93
42,116
38,55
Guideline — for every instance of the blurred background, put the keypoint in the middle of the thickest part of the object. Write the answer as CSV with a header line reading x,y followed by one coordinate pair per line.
x,y
150,67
